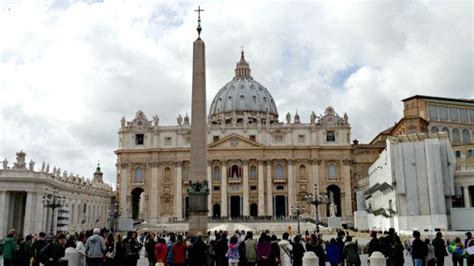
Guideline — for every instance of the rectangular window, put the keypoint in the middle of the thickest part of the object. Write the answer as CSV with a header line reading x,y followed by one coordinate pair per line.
x,y
301,139
463,116
215,138
187,140
280,187
453,114
167,140
443,113
470,153
433,112
139,139
458,154
330,136
252,138
253,187
217,188
278,138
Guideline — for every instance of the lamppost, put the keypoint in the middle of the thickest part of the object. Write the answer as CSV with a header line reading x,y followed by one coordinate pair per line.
x,y
316,200
52,199
114,214
297,211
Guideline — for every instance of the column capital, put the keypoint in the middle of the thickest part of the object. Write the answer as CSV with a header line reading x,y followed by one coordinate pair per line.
x,y
124,165
269,161
316,161
178,163
347,162
209,162
154,163
245,162
223,162
290,161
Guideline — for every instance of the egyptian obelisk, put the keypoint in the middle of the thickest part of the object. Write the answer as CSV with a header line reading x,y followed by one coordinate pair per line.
x,y
197,212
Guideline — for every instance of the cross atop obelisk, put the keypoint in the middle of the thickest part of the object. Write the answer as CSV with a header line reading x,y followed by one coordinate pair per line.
x,y
199,28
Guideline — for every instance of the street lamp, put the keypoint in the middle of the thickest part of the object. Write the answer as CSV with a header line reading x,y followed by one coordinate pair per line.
x,y
114,214
52,199
316,200
297,211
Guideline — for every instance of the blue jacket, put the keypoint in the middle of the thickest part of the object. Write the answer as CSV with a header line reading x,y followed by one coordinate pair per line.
x,y
333,253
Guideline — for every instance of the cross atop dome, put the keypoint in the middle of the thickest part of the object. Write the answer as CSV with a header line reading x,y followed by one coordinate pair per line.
x,y
199,28
242,69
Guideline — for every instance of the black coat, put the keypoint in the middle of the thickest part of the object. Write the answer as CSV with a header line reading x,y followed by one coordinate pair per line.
x,y
419,249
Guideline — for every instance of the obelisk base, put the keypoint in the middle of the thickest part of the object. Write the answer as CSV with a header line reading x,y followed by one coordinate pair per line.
x,y
197,214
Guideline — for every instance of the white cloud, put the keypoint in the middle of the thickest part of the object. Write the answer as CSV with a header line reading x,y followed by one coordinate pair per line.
x,y
70,70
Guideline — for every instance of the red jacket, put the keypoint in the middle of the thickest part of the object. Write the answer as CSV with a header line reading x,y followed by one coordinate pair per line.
x,y
179,253
161,250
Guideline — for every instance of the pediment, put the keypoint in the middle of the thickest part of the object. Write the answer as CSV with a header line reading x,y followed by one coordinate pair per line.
x,y
235,141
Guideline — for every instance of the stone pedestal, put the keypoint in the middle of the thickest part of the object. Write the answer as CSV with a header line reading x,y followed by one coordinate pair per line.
x,y
361,221
334,222
310,259
197,213
377,259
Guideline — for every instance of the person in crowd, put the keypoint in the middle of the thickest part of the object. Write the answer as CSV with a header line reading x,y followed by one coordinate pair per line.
x,y
179,252
150,249
110,250
211,254
161,250
81,248
264,249
374,244
430,258
70,253
396,252
285,250
275,253
298,251
419,250
440,249
132,249
221,250
467,243
95,248
233,250
250,249
351,252
120,255
10,249
340,243
242,247
470,253
456,248
197,252
332,253
27,250
38,244
53,251
169,244
316,245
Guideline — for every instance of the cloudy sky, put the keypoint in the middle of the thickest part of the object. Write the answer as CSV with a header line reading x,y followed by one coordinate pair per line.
x,y
69,70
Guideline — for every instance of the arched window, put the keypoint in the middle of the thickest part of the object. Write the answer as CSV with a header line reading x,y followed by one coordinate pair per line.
x,y
253,172
279,171
216,173
332,171
235,171
445,129
167,173
434,130
302,171
466,137
138,178
456,136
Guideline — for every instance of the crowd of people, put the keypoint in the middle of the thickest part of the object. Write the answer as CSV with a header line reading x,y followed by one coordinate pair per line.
x,y
99,247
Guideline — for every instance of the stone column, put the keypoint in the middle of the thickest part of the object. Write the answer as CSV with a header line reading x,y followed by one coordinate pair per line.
x,y
154,192
3,210
124,178
261,190
291,187
314,180
179,191
224,189
245,189
467,198
209,182
269,189
30,213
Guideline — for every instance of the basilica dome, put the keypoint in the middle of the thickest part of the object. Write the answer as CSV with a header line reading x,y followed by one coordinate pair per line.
x,y
243,100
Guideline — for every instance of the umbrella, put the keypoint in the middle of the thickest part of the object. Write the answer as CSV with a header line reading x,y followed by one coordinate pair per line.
x,y
232,227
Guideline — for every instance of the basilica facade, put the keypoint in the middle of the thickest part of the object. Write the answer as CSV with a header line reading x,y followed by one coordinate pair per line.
x,y
258,167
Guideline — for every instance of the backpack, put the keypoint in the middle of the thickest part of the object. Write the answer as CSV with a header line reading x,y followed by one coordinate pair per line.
x,y
45,254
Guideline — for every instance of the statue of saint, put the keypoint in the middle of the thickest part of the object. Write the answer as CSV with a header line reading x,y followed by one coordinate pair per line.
x,y
156,120
186,120
346,118
313,117
47,168
43,166
122,121
32,165
5,164
288,118
332,209
179,120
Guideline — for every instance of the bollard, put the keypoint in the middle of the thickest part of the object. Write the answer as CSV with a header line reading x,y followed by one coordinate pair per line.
x,y
310,259
377,259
